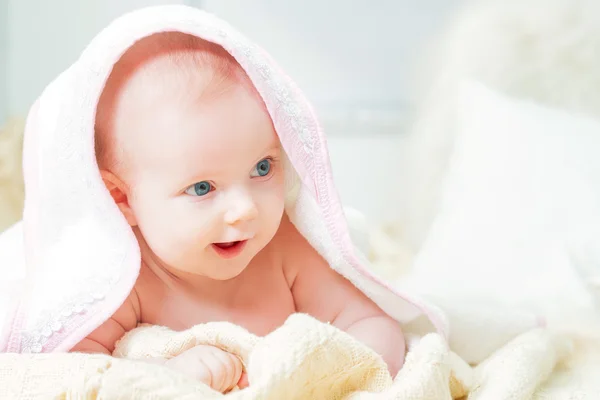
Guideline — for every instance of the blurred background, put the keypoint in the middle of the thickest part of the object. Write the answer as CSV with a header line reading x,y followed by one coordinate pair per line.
x,y
353,59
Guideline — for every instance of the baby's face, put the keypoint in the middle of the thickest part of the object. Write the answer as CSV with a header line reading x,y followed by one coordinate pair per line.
x,y
206,178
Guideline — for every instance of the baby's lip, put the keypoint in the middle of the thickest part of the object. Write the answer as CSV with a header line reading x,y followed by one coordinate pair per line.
x,y
228,244
239,239
229,249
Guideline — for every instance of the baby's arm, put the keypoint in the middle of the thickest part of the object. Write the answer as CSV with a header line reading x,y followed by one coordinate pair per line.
x,y
215,367
321,292
104,338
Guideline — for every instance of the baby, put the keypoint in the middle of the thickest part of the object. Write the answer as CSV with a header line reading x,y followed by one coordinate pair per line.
x,y
189,153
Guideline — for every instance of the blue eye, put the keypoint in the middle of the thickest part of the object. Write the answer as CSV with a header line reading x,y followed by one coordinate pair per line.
x,y
262,168
199,189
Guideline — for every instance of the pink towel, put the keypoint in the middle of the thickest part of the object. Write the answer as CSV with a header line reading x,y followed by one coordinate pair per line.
x,y
81,257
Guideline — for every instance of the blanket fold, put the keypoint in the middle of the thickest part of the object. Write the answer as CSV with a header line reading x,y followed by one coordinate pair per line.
x,y
303,359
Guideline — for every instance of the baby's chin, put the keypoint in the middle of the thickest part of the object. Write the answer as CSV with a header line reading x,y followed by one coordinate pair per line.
x,y
224,271
224,274
221,270
214,272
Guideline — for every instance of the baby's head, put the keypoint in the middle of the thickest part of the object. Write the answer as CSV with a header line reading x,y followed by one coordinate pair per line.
x,y
188,151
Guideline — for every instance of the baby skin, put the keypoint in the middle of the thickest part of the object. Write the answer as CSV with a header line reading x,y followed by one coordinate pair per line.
x,y
189,154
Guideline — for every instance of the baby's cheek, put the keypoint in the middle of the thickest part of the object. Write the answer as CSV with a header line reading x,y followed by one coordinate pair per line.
x,y
271,209
159,224
195,230
176,245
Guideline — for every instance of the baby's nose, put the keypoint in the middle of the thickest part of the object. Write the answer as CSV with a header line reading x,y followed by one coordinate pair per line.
x,y
241,208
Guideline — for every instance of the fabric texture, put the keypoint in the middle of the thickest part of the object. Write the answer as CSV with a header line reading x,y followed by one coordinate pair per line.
x,y
306,359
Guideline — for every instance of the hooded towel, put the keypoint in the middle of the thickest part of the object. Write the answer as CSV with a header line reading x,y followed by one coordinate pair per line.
x,y
81,258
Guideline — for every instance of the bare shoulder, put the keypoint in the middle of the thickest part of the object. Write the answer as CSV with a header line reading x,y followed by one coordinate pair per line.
x,y
317,288
103,339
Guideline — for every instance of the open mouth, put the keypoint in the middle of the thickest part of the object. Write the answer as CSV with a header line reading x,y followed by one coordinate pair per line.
x,y
229,249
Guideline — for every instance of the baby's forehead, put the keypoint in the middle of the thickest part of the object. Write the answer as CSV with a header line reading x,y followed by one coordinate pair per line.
x,y
164,68
182,63
216,123
180,66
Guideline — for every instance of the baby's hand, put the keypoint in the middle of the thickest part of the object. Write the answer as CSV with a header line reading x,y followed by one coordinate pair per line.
x,y
220,370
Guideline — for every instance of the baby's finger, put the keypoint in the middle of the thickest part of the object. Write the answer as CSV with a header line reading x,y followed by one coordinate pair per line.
x,y
243,382
230,366
237,371
204,373
217,364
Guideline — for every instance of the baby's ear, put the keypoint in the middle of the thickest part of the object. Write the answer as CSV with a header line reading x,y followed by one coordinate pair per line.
x,y
118,191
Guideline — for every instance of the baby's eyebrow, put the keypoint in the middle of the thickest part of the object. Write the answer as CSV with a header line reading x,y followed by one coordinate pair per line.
x,y
273,148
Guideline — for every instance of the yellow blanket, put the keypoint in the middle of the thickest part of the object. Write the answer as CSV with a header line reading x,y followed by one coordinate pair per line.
x,y
304,359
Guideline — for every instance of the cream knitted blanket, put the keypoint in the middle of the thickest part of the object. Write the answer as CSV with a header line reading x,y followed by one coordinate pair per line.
x,y
306,359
